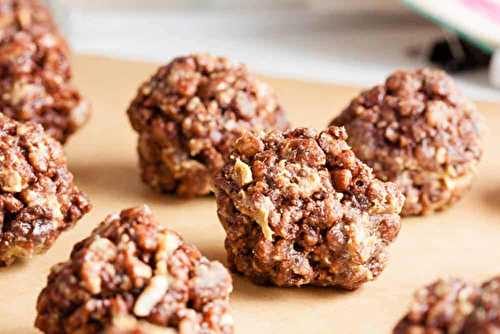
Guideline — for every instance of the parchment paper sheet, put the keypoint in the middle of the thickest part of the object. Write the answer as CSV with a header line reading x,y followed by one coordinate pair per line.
x,y
463,241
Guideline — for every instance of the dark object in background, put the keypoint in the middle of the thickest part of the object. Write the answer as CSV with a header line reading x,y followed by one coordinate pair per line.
x,y
457,55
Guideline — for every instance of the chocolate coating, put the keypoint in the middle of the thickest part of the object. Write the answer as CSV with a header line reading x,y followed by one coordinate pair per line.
x,y
485,319
24,15
439,308
454,307
38,199
299,208
188,115
418,131
131,275
35,75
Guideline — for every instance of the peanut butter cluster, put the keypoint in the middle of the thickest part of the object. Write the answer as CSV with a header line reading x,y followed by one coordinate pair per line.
x,y
418,131
38,199
189,114
35,74
131,275
299,208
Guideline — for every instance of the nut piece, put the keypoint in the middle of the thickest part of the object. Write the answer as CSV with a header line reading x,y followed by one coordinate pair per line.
x,y
454,307
10,181
418,131
133,276
38,199
242,173
312,213
36,79
260,209
190,113
151,296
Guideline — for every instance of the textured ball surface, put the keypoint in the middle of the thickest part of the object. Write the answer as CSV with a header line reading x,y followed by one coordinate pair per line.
x,y
418,131
38,199
188,115
35,75
25,15
299,208
454,307
131,275
485,319
439,308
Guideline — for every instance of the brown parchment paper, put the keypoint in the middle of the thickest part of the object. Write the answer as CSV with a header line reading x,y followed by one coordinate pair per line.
x,y
463,241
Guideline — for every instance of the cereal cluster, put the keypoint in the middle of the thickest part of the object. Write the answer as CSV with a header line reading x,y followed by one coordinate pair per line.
x,y
38,199
299,208
418,131
131,275
454,307
35,75
190,113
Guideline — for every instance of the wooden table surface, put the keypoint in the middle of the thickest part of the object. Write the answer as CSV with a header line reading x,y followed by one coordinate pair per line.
x,y
463,241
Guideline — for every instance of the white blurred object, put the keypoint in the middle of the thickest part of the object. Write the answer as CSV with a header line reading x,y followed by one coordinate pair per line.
x,y
495,69
186,4
339,6
352,6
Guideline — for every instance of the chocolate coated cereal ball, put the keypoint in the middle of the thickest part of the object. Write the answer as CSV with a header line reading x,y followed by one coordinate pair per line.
x,y
439,308
131,275
188,115
454,307
418,131
35,76
485,319
24,15
299,208
38,199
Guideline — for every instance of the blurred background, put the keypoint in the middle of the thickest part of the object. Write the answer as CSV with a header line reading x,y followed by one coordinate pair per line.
x,y
356,42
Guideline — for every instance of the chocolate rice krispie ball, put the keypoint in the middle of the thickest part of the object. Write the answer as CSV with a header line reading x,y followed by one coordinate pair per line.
x,y
188,115
454,307
299,208
38,199
131,275
24,15
35,75
485,319
439,308
418,131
